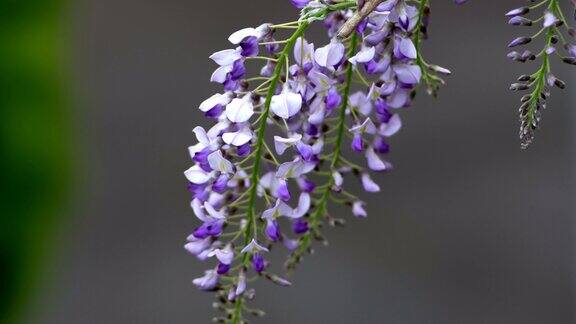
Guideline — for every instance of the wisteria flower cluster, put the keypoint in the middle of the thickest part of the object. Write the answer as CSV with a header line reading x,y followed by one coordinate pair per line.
x,y
287,141
555,31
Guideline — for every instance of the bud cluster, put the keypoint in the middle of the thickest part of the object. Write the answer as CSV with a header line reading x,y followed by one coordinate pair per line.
x,y
556,35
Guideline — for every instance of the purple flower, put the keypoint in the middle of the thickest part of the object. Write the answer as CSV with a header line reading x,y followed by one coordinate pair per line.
x,y
306,185
197,245
225,255
520,41
249,46
209,229
518,11
358,209
549,19
300,226
404,48
333,99
258,262
222,268
272,230
243,150
299,3
330,55
242,183
282,192
381,146
368,184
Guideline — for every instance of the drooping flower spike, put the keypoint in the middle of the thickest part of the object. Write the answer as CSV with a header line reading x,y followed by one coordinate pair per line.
x,y
557,36
269,169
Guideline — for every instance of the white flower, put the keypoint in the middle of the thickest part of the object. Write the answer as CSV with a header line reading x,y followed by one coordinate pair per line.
x,y
219,163
195,245
358,209
286,104
366,127
280,208
303,51
238,138
304,203
208,281
407,48
364,55
219,75
227,57
199,208
225,255
241,283
238,36
368,184
240,110
214,214
291,169
205,141
215,100
391,127
338,179
196,175
281,143
330,55
374,161
253,246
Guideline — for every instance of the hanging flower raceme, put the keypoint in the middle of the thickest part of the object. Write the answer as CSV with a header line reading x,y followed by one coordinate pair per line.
x,y
268,170
558,40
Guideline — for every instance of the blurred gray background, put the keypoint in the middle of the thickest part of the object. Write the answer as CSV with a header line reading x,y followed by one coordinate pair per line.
x,y
468,228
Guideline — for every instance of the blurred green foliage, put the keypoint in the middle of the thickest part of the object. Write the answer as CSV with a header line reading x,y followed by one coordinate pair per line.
x,y
34,144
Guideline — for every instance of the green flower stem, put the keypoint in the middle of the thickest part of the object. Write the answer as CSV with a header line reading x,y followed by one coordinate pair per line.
x,y
252,226
431,80
418,37
323,202
251,229
540,75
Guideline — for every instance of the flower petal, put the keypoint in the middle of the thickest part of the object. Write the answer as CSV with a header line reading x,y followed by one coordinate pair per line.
x,y
391,127
286,104
240,110
252,247
239,138
374,161
330,55
227,56
368,184
239,35
282,143
407,48
363,56
219,163
196,175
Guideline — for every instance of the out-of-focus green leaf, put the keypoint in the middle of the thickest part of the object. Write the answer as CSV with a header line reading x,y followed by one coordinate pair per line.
x,y
34,144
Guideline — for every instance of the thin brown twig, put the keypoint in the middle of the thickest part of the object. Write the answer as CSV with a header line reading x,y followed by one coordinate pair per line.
x,y
351,24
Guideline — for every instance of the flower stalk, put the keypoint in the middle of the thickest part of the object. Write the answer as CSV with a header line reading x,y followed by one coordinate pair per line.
x,y
553,27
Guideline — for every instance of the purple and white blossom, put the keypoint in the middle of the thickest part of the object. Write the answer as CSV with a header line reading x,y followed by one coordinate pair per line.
x,y
269,169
